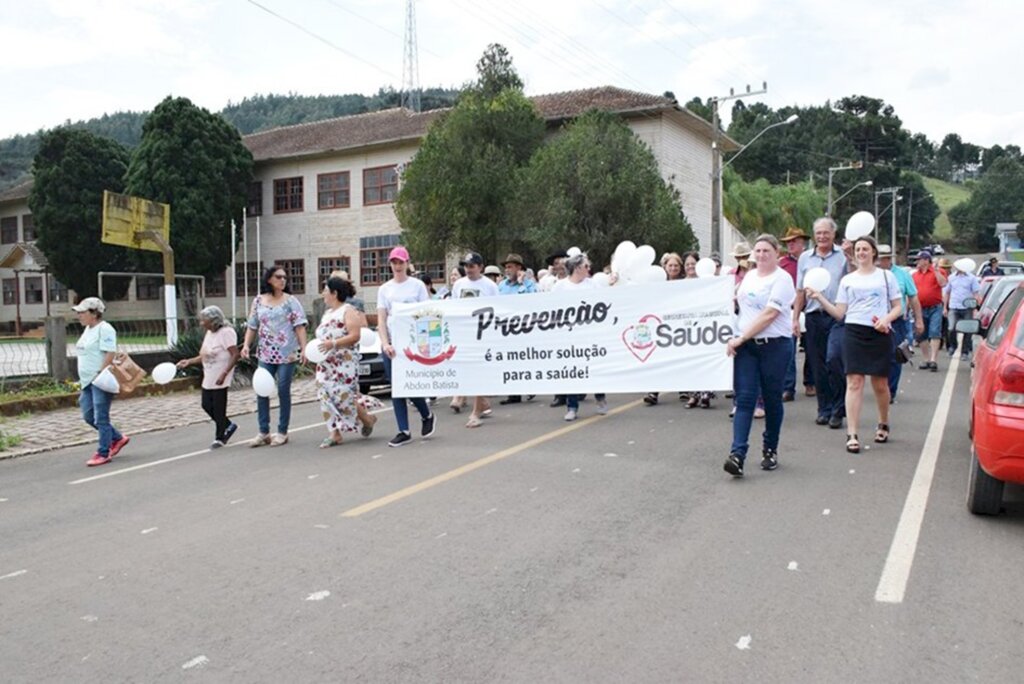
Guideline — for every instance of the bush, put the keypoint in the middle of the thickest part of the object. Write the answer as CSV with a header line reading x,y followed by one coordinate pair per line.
x,y
190,341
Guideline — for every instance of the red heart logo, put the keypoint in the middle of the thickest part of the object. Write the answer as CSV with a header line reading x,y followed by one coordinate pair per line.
x,y
639,339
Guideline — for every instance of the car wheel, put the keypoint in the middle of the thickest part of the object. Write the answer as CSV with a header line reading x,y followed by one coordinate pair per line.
x,y
984,492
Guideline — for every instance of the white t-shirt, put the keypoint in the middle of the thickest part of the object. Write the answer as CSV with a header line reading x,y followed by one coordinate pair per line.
x,y
867,297
481,287
757,293
394,292
566,284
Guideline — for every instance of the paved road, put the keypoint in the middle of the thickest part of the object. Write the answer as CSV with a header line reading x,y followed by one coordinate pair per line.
x,y
609,550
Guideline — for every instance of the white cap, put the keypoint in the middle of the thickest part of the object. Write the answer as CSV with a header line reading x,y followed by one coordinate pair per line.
x,y
90,304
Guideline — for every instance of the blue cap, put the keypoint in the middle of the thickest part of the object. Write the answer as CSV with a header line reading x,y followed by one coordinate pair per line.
x,y
924,254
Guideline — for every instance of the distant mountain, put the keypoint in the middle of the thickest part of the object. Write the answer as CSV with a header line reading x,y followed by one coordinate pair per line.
x,y
252,114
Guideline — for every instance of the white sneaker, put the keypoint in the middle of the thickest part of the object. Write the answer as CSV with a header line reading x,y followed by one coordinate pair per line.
x,y
570,415
602,407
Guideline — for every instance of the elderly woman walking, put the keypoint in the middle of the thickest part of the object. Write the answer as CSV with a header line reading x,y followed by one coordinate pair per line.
x,y
95,351
870,300
218,356
279,322
761,349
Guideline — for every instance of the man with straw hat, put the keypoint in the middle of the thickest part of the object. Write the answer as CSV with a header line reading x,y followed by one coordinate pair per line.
x,y
795,241
515,282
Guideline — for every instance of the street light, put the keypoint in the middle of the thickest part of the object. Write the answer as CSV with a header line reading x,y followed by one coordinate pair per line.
x,y
832,170
716,211
865,184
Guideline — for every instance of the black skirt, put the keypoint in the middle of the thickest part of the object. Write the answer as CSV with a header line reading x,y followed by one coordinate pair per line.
x,y
866,351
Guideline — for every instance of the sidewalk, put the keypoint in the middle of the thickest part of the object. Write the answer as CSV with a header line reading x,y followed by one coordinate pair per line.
x,y
65,427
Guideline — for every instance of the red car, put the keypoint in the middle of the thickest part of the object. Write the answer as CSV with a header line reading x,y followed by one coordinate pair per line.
x,y
997,410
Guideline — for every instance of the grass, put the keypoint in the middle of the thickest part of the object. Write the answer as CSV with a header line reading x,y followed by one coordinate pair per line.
x,y
41,387
947,196
8,441
121,339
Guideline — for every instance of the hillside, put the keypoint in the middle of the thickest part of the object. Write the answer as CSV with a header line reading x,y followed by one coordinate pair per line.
x,y
252,114
947,196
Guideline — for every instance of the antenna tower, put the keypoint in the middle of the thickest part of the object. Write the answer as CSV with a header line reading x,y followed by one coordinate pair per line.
x,y
410,61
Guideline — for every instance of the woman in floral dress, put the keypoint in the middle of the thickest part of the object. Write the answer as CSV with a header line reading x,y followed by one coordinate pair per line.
x,y
337,376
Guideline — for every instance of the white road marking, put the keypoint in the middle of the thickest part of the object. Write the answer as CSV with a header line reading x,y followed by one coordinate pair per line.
x,y
312,477
162,461
13,574
534,489
744,643
376,455
852,471
611,455
149,529
4,500
631,442
793,565
827,511
493,510
893,583
318,596
575,470
237,501
198,661
321,527
443,534
90,618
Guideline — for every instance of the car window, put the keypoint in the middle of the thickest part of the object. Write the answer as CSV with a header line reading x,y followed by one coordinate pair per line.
x,y
1003,318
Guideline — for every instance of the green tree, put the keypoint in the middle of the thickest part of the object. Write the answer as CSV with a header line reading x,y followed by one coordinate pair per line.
x,y
72,169
998,196
196,162
595,185
495,73
760,207
457,191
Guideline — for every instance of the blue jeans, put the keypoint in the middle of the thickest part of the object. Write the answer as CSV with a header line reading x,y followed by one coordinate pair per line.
x,y
837,369
931,317
759,369
95,405
789,384
572,401
283,373
829,395
399,403
900,332
960,315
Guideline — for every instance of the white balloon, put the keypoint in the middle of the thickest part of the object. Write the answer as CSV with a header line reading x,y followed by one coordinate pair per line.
x,y
546,283
965,264
859,225
642,258
623,253
367,338
574,251
313,352
164,373
706,267
652,274
817,279
263,383
601,279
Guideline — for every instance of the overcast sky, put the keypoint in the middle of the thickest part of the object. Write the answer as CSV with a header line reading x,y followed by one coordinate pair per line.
x,y
944,65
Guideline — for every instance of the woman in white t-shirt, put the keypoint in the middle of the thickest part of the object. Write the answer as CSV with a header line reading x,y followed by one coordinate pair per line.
x,y
578,268
761,349
870,300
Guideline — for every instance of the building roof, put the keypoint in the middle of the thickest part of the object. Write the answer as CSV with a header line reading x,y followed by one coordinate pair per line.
x,y
390,126
17,192
27,252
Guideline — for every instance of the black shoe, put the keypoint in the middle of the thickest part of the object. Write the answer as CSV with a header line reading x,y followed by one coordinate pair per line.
x,y
769,459
788,396
428,426
510,400
400,439
228,431
835,422
821,420
557,401
651,399
734,465
530,397
934,367
925,365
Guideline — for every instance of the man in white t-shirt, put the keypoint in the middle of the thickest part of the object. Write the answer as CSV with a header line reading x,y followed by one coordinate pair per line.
x,y
473,284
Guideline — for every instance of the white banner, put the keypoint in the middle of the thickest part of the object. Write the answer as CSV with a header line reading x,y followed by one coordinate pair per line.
x,y
645,338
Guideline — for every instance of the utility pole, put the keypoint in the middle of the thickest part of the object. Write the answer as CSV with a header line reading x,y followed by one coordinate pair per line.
x,y
910,209
716,164
833,169
894,191
410,61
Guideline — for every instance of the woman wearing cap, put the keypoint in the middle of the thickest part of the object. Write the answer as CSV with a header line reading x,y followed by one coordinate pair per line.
x,y
474,285
401,289
279,322
218,356
95,352
870,300
761,352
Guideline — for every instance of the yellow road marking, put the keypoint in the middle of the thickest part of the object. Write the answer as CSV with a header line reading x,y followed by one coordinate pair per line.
x,y
480,463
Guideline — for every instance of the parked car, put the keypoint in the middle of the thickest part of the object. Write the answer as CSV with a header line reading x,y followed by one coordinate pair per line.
x,y
936,249
1009,267
997,406
994,291
371,366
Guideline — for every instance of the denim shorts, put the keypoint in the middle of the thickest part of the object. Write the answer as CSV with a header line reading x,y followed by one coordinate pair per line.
x,y
931,316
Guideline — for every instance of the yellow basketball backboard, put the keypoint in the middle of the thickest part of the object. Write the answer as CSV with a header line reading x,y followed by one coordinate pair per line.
x,y
125,218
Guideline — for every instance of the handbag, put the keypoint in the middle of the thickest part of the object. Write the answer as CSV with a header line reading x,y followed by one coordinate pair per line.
x,y
127,373
903,352
106,382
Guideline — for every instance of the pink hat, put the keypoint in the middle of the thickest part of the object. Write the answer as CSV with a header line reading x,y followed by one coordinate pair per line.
x,y
400,253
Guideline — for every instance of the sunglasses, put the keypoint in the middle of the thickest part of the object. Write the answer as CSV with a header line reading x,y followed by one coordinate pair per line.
x,y
280,276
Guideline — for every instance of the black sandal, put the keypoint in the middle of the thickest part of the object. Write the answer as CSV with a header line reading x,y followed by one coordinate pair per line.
x,y
651,399
852,444
882,433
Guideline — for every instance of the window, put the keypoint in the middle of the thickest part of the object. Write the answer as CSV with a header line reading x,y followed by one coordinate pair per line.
x,y
10,291
296,271
248,272
373,259
287,195
324,267
58,291
332,190
33,290
8,230
254,207
147,288
28,228
380,185
217,284
1003,318
436,270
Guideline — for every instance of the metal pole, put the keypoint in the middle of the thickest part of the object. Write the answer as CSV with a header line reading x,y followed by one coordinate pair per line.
x,y
828,209
716,182
910,209
894,221
245,269
259,259
234,285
